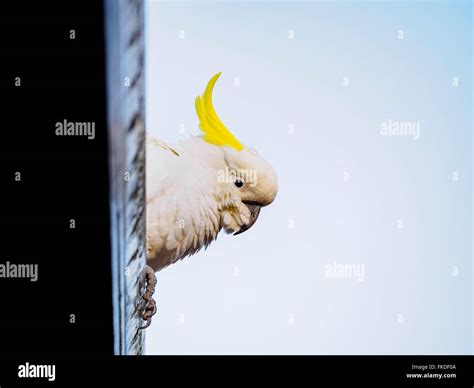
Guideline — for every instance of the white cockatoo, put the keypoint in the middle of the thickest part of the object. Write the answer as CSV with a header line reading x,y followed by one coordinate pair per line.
x,y
198,187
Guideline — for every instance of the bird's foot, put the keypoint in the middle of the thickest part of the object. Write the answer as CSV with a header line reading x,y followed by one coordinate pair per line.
x,y
150,305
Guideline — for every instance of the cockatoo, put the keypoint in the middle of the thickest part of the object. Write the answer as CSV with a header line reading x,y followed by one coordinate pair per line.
x,y
198,187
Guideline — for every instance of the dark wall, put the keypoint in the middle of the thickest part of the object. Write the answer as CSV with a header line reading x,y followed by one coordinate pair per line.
x,y
62,178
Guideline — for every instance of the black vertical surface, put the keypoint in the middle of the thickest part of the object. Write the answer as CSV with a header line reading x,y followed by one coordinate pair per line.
x,y
62,178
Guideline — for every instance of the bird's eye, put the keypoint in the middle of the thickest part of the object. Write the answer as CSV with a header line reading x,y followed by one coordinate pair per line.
x,y
239,183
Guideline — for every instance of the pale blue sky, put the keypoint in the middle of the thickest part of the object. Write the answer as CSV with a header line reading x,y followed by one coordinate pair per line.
x,y
343,185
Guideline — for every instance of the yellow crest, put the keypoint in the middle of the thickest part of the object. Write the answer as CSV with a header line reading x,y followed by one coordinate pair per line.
x,y
214,130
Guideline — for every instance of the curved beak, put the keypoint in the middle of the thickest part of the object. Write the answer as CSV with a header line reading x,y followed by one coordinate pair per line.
x,y
254,212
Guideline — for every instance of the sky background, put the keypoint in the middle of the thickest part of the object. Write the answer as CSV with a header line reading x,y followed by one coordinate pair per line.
x,y
399,207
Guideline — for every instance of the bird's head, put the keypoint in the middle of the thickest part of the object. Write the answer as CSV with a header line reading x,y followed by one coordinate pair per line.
x,y
252,181
247,182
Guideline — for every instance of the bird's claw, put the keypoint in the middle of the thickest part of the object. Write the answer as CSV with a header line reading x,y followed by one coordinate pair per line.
x,y
150,305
